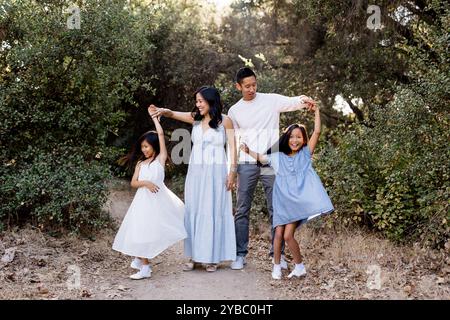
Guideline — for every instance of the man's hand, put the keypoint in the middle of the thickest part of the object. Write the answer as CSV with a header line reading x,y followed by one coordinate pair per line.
x,y
309,102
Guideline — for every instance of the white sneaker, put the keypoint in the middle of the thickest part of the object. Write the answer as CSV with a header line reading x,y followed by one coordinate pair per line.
x,y
142,274
136,263
297,272
276,272
283,262
239,263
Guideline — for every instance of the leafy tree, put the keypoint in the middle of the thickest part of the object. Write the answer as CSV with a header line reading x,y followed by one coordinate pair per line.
x,y
62,92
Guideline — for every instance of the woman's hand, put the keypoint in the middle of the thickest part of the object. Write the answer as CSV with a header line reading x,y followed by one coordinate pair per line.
x,y
151,186
244,148
231,181
154,111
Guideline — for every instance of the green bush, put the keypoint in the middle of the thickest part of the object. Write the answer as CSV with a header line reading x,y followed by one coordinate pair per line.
x,y
55,192
63,93
394,175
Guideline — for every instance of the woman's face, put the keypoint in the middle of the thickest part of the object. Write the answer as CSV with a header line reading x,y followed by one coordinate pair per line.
x,y
296,140
147,149
201,104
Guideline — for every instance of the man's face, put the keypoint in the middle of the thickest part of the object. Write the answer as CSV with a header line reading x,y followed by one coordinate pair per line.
x,y
247,87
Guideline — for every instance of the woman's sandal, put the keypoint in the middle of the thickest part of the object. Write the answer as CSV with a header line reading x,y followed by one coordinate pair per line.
x,y
188,266
211,267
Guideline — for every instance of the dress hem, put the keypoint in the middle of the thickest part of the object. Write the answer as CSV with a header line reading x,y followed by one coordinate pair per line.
x,y
304,219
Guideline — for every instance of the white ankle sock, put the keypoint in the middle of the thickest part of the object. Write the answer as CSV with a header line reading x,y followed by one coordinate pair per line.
x,y
276,267
145,268
299,266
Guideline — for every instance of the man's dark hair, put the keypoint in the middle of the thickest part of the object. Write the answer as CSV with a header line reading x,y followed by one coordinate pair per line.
x,y
244,73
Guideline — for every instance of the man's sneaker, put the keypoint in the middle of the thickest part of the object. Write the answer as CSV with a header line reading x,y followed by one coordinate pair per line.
x,y
276,272
283,262
145,272
297,272
238,264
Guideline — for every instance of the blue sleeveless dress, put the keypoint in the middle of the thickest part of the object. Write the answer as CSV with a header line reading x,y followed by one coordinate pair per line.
x,y
208,217
298,193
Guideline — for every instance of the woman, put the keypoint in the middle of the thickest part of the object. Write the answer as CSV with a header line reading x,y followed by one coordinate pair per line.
x,y
208,215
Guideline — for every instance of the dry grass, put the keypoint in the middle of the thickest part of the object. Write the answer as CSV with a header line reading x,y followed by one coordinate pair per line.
x,y
337,262
43,266
343,263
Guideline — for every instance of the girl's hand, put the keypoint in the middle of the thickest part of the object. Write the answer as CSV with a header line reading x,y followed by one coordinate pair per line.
x,y
309,102
244,148
152,187
231,181
154,111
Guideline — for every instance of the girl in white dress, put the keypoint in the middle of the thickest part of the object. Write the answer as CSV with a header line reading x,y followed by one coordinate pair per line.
x,y
155,219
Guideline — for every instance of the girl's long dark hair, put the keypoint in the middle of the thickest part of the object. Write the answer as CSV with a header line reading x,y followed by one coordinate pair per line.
x,y
212,96
136,154
282,145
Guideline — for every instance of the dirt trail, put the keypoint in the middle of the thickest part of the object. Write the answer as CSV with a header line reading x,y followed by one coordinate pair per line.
x,y
342,263
169,281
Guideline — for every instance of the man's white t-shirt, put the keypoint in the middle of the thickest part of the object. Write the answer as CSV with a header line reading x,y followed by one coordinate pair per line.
x,y
257,122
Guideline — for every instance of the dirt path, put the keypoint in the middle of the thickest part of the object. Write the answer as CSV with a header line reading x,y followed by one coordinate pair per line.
x,y
342,263
169,281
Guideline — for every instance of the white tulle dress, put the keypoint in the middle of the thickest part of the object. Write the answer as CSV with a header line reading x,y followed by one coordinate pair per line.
x,y
154,221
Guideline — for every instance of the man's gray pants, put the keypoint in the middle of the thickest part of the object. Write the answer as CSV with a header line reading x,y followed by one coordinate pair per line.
x,y
248,175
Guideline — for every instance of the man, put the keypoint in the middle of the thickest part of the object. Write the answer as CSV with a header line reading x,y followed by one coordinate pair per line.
x,y
256,118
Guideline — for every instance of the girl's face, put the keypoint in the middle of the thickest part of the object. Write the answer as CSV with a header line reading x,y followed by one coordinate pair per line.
x,y
201,104
296,140
147,149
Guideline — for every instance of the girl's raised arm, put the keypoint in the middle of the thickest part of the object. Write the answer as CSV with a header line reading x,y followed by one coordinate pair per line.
x,y
316,134
162,141
180,116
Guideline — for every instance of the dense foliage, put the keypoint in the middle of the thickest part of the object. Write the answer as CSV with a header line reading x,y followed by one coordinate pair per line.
x,y
72,100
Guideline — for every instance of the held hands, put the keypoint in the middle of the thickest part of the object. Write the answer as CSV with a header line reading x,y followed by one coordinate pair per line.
x,y
152,187
156,112
314,108
311,104
153,112
244,148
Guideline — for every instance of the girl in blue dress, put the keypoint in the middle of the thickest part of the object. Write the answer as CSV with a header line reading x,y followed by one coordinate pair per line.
x,y
298,193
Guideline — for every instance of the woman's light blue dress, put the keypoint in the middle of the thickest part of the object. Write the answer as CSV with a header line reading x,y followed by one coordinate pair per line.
x,y
298,193
209,218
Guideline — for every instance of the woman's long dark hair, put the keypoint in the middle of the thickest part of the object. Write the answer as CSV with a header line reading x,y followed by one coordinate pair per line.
x,y
212,96
136,153
282,145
